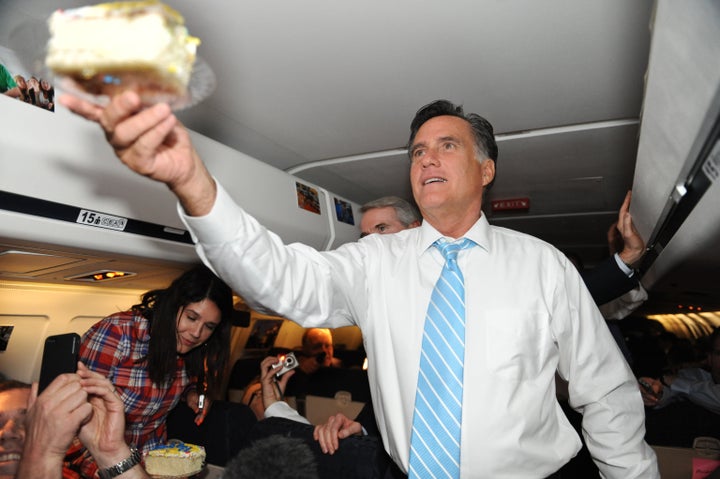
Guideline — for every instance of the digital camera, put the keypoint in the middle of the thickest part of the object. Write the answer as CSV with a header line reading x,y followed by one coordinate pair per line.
x,y
286,363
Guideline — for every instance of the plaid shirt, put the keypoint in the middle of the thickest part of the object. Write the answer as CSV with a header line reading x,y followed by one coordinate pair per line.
x,y
113,347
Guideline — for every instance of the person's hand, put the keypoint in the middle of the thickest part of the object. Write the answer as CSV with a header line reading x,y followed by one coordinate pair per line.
x,y
53,420
153,143
192,398
633,244
55,416
104,433
651,390
337,427
273,389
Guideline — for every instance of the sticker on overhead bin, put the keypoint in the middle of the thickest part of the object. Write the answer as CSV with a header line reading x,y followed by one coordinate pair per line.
x,y
101,220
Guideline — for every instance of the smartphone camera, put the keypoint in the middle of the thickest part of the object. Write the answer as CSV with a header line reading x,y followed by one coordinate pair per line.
x,y
60,355
286,363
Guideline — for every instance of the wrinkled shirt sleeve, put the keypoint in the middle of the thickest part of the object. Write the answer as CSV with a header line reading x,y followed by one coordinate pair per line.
x,y
600,384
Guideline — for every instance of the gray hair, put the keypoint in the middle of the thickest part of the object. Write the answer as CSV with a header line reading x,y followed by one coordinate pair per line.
x,y
406,212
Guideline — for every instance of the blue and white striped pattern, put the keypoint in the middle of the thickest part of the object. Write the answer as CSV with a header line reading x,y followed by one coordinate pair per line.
x,y
435,443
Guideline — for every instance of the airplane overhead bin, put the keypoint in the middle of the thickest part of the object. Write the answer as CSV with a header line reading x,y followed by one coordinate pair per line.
x,y
61,186
676,193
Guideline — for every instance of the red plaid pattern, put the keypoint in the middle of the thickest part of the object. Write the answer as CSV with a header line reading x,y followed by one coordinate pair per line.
x,y
116,347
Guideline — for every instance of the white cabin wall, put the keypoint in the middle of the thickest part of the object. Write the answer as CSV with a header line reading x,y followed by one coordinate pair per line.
x,y
40,310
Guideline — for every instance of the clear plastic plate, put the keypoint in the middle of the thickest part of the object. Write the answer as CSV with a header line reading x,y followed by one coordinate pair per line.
x,y
28,45
201,85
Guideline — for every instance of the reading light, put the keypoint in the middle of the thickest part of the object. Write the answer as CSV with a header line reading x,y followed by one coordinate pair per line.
x,y
101,275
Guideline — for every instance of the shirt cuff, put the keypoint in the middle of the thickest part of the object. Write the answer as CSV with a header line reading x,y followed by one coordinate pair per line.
x,y
629,272
221,222
681,385
277,409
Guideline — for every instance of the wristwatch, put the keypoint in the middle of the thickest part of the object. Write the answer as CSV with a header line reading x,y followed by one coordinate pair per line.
x,y
122,466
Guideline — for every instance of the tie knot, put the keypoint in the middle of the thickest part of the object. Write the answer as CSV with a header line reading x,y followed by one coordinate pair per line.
x,y
451,250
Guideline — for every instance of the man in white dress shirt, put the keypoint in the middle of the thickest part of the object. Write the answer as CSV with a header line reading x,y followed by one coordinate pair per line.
x,y
528,313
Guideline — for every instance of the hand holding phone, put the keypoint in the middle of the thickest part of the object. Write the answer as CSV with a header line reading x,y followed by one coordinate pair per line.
x,y
60,356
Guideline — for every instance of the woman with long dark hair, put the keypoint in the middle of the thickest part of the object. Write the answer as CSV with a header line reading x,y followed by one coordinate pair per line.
x,y
173,345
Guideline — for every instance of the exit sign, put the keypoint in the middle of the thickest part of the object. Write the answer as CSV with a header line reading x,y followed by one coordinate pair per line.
x,y
511,204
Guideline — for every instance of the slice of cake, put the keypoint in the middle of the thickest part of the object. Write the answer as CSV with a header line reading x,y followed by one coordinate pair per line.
x,y
111,47
174,459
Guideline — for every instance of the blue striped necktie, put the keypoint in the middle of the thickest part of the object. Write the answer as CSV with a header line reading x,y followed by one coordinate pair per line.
x,y
435,442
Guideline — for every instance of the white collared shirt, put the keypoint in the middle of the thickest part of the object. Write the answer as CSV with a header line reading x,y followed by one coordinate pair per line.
x,y
528,314
284,410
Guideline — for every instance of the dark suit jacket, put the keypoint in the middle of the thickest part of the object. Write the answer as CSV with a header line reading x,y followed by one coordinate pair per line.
x,y
607,281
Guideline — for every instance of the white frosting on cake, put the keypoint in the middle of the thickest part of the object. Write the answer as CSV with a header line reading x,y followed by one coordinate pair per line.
x,y
175,459
144,38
